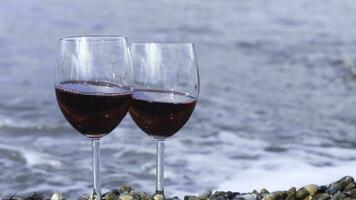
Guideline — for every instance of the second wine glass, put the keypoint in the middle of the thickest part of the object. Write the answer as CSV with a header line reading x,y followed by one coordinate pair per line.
x,y
166,88
93,84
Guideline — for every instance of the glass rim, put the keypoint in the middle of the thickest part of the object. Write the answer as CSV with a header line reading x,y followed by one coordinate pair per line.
x,y
93,38
173,43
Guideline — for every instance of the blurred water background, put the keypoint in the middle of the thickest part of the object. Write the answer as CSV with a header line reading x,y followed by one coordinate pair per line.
x,y
277,105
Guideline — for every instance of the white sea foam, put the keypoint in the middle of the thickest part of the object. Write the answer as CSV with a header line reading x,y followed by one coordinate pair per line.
x,y
33,157
296,167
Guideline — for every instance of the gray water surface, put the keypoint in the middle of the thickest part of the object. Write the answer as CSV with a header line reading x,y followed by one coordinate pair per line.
x,y
278,93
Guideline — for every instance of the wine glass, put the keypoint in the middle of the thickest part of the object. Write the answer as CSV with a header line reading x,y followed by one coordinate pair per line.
x,y
166,88
93,85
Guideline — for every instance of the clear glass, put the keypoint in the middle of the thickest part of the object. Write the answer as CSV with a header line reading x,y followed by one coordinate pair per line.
x,y
93,84
166,88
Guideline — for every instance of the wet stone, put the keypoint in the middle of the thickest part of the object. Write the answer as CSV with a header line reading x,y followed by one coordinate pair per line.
x,y
219,198
345,181
350,186
292,191
229,195
291,197
279,195
321,196
135,195
302,193
312,189
126,188
339,196
268,197
353,193
333,188
264,191
57,196
322,188
116,191
144,196
124,196
158,197
111,196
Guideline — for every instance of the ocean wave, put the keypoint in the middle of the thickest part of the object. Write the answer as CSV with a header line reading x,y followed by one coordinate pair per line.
x,y
22,125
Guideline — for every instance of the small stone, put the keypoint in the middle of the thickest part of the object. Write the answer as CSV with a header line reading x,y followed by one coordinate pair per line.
x,y
264,191
308,198
345,181
144,196
312,189
229,195
111,196
268,197
158,196
322,188
339,196
292,191
279,195
116,191
57,196
126,188
333,188
301,193
321,196
135,195
350,186
291,197
353,193
219,193
291,194
124,196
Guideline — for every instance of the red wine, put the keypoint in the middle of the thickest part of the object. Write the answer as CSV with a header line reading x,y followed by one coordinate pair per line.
x,y
93,108
161,113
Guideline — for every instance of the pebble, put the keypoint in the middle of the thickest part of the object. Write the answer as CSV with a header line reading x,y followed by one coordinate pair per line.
x,y
159,196
110,196
312,189
302,193
345,181
350,186
57,196
343,189
124,196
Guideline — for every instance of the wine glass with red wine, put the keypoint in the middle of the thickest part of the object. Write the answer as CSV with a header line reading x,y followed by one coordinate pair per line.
x,y
166,88
93,85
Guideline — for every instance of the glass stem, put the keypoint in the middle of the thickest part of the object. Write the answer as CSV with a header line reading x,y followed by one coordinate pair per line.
x,y
159,167
96,169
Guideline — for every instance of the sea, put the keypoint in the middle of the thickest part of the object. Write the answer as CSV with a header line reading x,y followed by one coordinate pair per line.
x,y
277,103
